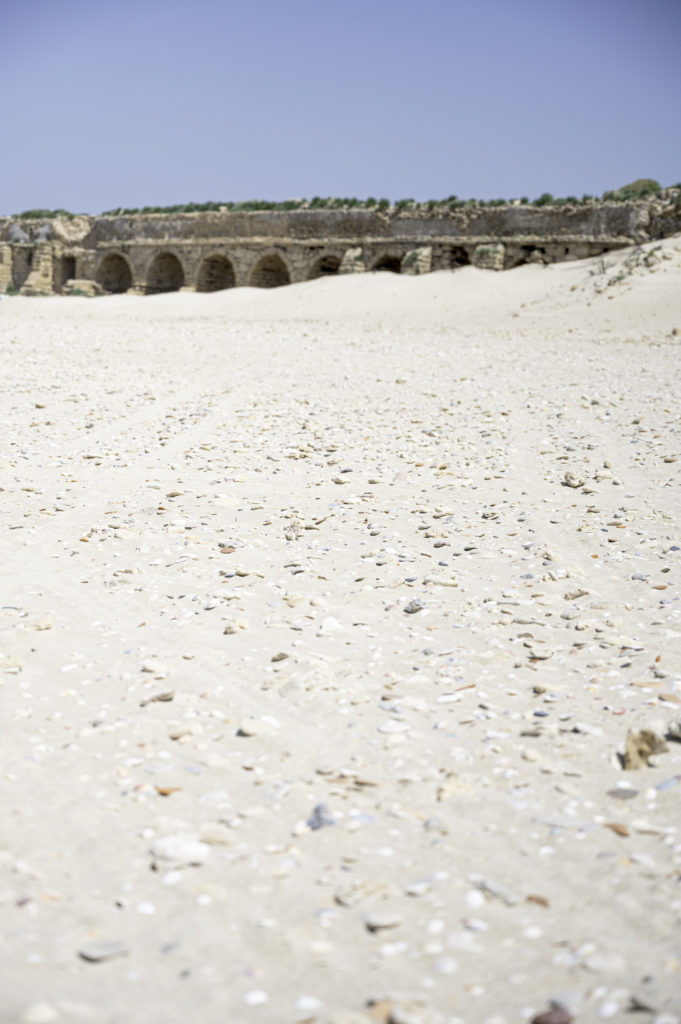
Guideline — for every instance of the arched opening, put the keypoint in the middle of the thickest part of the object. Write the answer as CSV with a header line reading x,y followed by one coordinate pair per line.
x,y
390,263
165,274
270,272
528,254
114,274
215,274
63,270
325,266
457,257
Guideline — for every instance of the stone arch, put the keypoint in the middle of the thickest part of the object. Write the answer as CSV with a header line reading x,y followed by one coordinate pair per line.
x,y
457,256
528,254
215,274
324,266
114,274
270,272
388,262
164,274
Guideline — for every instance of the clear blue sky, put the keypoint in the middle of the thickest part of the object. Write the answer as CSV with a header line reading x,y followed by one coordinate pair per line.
x,y
143,102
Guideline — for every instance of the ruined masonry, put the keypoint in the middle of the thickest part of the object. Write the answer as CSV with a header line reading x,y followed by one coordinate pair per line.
x,y
205,252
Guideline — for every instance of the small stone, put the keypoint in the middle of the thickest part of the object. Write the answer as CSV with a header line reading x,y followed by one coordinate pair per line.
x,y
618,828
154,667
413,606
320,818
393,726
282,656
254,727
674,728
419,887
97,952
256,997
494,889
180,850
574,479
620,793
214,833
308,1003
640,746
163,697
361,892
378,921
414,1011
556,1014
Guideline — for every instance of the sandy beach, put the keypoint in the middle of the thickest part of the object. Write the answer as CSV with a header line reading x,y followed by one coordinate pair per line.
x,y
326,613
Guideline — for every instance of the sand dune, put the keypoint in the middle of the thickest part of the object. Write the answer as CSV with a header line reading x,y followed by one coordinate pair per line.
x,y
327,611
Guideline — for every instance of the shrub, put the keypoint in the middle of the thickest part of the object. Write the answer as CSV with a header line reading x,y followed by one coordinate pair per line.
x,y
545,199
638,189
383,204
44,214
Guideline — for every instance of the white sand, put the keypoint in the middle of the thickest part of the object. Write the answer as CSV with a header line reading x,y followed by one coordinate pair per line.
x,y
466,753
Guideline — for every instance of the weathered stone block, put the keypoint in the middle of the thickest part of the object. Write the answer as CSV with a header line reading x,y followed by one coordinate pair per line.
x,y
489,256
353,261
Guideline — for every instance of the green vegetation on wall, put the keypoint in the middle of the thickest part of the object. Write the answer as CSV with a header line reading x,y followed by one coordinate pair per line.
x,y
643,188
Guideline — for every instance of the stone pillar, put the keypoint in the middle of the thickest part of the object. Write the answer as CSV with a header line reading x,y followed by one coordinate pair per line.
x,y
5,267
353,262
489,256
418,261
41,279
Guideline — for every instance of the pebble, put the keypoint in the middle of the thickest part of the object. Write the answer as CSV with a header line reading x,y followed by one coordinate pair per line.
x,y
255,727
573,479
180,850
674,728
256,997
382,920
320,818
308,1004
556,1014
360,892
98,952
154,667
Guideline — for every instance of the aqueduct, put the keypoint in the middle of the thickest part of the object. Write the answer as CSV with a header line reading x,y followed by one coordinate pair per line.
x,y
148,254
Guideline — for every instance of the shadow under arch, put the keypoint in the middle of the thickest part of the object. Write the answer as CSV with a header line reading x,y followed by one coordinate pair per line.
x,y
215,274
325,266
393,264
270,272
114,274
457,257
164,274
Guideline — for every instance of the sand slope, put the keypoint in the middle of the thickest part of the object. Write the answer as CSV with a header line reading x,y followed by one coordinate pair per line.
x,y
314,671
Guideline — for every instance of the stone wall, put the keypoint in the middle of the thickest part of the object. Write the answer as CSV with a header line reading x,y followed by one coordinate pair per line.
x,y
154,253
